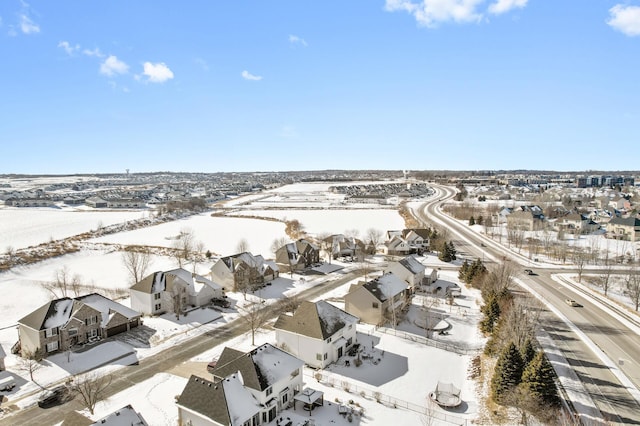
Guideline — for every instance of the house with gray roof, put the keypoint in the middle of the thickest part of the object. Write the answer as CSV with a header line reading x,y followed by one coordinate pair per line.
x,y
410,270
318,333
218,403
378,301
270,375
627,228
65,323
172,290
244,272
298,255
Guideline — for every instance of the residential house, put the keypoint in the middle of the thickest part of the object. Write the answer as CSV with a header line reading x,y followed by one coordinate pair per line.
x,y
96,202
297,255
318,333
125,416
64,323
221,403
576,223
343,246
621,204
406,241
396,246
379,300
523,220
126,203
409,270
244,271
162,292
270,375
627,228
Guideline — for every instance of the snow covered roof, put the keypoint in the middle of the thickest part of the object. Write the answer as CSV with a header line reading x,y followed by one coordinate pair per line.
x,y
260,368
256,262
319,320
58,312
386,286
163,281
412,264
106,307
126,416
226,402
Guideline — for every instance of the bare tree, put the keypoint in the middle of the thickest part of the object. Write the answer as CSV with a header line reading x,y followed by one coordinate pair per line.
x,y
521,321
633,286
136,261
289,304
277,243
30,363
92,389
183,246
255,315
579,259
64,284
326,245
243,246
605,275
374,237
197,254
351,233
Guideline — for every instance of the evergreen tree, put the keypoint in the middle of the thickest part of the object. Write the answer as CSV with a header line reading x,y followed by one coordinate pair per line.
x,y
538,380
445,253
464,271
472,221
507,374
491,311
480,220
528,352
452,250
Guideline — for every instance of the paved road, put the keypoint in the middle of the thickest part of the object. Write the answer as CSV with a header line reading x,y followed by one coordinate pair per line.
x,y
166,360
610,336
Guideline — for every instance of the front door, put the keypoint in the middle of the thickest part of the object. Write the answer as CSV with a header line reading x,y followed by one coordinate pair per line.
x,y
340,352
272,413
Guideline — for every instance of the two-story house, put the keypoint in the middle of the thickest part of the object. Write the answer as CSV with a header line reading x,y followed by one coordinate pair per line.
x,y
261,383
410,270
343,246
298,255
162,292
243,271
627,228
318,333
64,323
378,301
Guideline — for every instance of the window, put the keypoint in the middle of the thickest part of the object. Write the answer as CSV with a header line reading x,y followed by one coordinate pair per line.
x,y
156,296
325,355
319,357
349,341
73,332
91,320
157,307
269,391
285,398
92,333
53,346
51,332
329,340
374,305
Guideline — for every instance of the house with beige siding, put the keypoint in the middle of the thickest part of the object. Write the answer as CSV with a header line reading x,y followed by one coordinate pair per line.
x,y
627,228
243,272
378,301
297,256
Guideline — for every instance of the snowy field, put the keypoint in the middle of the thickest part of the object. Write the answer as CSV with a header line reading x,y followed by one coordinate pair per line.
x,y
220,235
336,221
24,227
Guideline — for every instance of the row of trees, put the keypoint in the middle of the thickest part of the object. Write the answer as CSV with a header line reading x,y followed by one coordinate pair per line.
x,y
523,378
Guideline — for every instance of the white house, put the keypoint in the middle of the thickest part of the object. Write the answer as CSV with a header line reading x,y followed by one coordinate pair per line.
x,y
318,333
272,376
162,292
2,357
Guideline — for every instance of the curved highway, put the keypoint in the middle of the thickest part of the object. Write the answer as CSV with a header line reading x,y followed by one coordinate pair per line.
x,y
612,340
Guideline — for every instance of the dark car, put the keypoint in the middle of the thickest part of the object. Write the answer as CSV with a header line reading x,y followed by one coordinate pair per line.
x,y
529,272
52,397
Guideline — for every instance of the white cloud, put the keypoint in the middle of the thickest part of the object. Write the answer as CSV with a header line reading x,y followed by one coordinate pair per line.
x,y
503,6
112,66
625,19
27,25
202,63
294,39
93,52
431,12
248,76
68,47
157,73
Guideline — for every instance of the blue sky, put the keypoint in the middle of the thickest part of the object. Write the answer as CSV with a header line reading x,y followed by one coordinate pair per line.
x,y
207,86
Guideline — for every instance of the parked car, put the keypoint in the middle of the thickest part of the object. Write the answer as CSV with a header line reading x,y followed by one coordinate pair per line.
x,y
573,303
52,397
7,384
528,272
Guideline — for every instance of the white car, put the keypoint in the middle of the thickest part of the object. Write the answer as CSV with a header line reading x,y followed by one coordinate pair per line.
x,y
573,303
